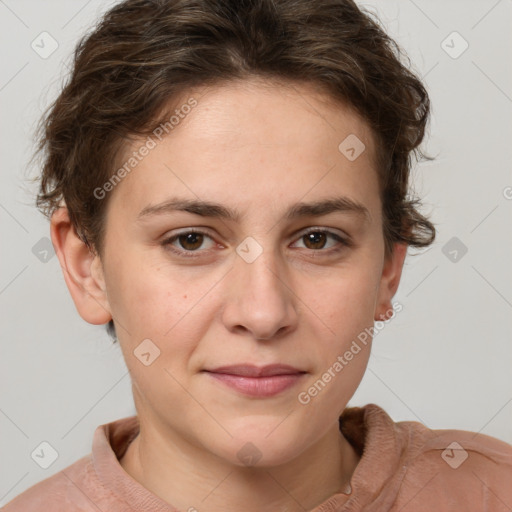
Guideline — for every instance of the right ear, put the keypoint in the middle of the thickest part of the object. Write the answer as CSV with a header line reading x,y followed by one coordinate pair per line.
x,y
82,268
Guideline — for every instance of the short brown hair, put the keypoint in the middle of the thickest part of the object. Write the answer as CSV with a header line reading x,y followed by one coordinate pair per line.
x,y
144,53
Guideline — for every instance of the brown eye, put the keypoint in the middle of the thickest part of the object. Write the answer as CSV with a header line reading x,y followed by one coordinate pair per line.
x,y
323,241
315,240
191,241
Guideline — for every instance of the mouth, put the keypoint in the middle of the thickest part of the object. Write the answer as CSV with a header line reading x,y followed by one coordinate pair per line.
x,y
249,370
257,381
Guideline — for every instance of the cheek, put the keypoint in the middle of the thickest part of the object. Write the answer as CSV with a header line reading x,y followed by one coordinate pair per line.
x,y
170,307
343,350
348,300
146,300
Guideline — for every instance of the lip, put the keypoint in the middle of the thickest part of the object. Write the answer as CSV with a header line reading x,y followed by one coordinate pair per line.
x,y
250,370
258,381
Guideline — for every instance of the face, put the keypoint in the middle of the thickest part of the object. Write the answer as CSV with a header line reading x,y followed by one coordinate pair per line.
x,y
284,266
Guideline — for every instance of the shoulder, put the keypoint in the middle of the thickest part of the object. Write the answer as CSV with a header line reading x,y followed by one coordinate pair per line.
x,y
68,490
455,467
412,468
92,483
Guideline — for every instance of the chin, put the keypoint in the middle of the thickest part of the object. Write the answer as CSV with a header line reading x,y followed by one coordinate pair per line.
x,y
264,444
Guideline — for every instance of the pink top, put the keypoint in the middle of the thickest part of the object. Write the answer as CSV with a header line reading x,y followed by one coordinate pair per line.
x,y
404,467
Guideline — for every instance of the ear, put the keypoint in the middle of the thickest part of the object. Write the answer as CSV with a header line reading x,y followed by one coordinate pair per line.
x,y
82,268
390,279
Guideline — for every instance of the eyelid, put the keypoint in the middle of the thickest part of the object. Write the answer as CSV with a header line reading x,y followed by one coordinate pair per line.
x,y
324,229
344,240
168,241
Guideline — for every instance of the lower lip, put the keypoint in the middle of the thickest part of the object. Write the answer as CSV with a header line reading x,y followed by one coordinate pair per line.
x,y
258,386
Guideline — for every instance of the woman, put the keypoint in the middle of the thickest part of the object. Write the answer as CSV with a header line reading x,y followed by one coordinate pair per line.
x,y
227,184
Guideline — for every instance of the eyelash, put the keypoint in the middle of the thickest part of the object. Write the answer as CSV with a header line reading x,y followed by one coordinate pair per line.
x,y
167,243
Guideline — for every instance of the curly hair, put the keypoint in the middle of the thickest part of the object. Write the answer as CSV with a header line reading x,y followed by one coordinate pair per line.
x,y
144,53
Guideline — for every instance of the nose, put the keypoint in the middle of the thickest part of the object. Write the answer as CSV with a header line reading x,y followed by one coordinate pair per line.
x,y
260,300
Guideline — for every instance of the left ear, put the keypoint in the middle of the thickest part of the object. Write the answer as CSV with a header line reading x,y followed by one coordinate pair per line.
x,y
390,279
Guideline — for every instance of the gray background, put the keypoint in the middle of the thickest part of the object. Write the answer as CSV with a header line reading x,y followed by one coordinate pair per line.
x,y
445,360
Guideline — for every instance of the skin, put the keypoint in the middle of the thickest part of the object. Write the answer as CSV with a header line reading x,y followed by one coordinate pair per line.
x,y
258,148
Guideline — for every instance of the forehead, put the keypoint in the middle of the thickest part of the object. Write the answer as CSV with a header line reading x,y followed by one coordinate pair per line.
x,y
256,138
300,115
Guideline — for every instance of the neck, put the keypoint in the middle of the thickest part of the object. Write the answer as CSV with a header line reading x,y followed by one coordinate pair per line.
x,y
189,480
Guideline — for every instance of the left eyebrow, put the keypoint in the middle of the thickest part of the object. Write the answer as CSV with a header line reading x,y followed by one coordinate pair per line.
x,y
216,210
326,206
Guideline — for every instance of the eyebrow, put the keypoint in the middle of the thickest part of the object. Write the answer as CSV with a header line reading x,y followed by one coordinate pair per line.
x,y
215,210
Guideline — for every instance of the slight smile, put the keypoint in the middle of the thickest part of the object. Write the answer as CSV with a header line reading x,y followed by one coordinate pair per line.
x,y
258,382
